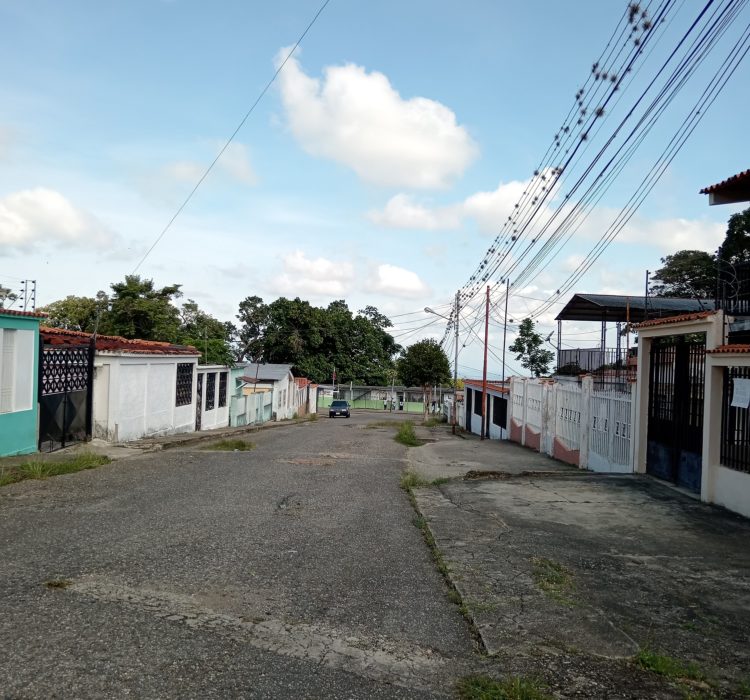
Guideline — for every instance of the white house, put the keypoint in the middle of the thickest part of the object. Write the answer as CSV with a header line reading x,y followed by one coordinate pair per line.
x,y
288,397
212,405
496,410
141,387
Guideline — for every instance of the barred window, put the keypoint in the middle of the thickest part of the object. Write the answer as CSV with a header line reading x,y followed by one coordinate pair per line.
x,y
184,384
223,389
210,391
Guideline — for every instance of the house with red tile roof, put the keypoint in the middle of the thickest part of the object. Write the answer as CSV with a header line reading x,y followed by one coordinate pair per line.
x,y
141,388
19,366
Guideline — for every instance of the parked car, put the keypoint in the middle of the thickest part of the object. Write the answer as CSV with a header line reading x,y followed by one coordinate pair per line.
x,y
339,408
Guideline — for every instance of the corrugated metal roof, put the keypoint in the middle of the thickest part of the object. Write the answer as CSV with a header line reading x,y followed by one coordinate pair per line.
x,y
614,307
267,372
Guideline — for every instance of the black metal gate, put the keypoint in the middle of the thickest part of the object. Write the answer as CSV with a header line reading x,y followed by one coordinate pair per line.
x,y
66,377
675,409
468,408
199,402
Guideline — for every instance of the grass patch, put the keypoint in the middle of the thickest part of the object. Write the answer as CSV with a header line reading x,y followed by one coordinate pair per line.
x,y
433,422
411,480
313,417
406,435
38,469
553,579
383,424
513,688
57,583
440,481
668,666
231,446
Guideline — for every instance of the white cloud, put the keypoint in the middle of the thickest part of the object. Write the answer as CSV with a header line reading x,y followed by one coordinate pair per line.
x,y
318,276
44,215
235,161
358,119
402,211
398,282
489,209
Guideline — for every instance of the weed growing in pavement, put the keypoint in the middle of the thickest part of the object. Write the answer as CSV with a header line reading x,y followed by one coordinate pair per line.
x,y
513,688
412,480
39,469
433,422
553,579
440,481
313,417
668,666
231,446
57,583
406,435
383,424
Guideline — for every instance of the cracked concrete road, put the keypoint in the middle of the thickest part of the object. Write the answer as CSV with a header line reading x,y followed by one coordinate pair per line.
x,y
566,573
292,570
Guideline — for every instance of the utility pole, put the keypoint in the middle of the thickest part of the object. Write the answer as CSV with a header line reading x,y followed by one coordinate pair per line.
x,y
505,322
485,431
455,374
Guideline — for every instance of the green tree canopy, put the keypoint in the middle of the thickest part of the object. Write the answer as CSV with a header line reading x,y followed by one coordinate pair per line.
x,y
736,245
529,349
688,274
140,310
424,364
211,336
315,340
75,313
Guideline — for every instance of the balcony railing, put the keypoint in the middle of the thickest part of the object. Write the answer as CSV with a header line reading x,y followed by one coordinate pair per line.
x,y
733,289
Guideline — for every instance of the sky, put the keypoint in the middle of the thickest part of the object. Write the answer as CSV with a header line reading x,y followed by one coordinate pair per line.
x,y
377,168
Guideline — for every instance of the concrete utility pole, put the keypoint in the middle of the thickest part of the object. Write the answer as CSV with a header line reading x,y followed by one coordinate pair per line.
x,y
484,432
455,375
505,322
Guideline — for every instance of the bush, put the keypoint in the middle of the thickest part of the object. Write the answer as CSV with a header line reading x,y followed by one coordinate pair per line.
x,y
406,435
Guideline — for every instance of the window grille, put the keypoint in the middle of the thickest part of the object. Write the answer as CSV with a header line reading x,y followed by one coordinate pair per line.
x,y
210,391
478,402
184,384
223,389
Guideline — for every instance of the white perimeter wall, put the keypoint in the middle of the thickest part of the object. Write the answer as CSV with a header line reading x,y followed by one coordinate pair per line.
x,y
134,397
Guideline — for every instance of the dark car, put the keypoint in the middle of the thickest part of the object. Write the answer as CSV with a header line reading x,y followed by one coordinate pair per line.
x,y
339,408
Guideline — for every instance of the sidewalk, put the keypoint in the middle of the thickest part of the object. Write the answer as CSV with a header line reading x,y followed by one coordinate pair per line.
x,y
585,579
448,456
124,450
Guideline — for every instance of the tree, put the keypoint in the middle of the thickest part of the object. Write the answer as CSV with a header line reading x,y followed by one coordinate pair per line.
x,y
528,348
76,313
736,245
140,310
689,274
211,336
7,296
314,340
424,364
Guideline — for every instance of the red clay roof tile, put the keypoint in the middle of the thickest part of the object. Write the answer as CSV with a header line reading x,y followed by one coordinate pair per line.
x,y
734,180
114,343
28,314
731,349
674,319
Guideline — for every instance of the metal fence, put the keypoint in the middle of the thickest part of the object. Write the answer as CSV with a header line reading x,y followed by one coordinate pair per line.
x,y
735,424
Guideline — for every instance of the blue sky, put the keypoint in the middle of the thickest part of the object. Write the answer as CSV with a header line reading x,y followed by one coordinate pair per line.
x,y
377,169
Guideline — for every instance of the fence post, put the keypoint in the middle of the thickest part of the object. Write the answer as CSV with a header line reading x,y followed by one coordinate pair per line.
x,y
587,385
631,432
524,383
552,418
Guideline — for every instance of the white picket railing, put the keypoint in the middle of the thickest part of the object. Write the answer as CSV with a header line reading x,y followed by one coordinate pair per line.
x,y
574,423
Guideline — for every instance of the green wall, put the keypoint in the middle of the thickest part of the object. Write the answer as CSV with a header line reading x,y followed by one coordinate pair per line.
x,y
18,430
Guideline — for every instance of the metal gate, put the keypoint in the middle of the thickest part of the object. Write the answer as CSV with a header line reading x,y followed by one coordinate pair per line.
x,y
65,395
199,402
675,409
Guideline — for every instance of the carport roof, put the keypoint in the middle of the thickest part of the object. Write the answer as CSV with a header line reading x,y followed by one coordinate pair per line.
x,y
265,372
616,307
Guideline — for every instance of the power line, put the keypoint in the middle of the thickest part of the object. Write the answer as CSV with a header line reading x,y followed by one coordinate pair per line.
x,y
231,138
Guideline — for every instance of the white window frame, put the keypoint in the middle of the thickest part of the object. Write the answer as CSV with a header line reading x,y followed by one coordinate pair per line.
x,y
16,370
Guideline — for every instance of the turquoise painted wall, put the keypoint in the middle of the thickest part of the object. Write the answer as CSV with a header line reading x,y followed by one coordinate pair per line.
x,y
18,430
